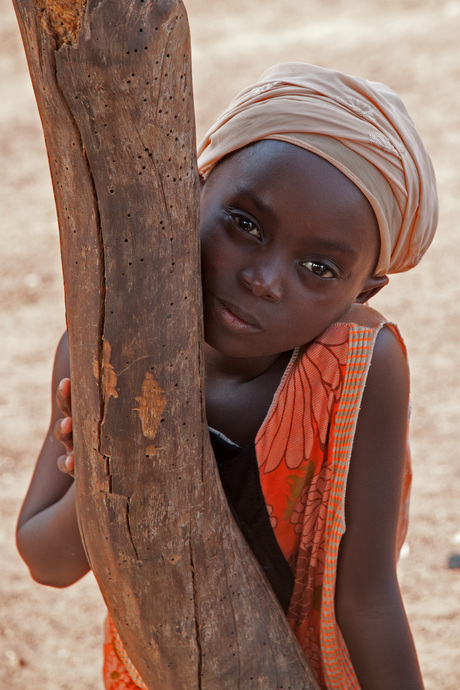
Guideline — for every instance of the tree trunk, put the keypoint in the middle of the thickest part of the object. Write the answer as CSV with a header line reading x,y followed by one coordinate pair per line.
x,y
113,86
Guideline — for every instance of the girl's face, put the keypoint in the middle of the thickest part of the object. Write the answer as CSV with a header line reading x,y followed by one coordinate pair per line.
x,y
288,245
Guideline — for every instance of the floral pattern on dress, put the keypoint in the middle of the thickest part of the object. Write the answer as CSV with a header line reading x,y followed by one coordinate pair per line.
x,y
291,445
273,520
309,519
313,385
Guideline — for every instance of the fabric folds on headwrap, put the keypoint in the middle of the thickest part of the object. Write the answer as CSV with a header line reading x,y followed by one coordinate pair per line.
x,y
361,127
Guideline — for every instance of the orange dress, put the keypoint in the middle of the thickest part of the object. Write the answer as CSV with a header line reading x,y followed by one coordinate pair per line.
x,y
303,451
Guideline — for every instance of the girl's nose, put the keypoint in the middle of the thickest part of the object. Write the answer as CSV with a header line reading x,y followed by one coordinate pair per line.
x,y
263,282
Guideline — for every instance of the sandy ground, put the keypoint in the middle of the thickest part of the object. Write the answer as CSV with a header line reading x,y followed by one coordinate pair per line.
x,y
51,640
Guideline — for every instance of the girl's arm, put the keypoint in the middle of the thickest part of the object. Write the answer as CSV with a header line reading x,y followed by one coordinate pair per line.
x,y
369,607
48,537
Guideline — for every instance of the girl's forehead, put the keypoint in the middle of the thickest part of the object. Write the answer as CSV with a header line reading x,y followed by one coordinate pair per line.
x,y
279,162
271,165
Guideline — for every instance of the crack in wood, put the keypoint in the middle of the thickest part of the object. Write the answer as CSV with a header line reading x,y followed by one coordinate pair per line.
x,y
128,526
108,471
196,613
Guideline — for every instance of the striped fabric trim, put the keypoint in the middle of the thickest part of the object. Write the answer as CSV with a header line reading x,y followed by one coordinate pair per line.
x,y
338,669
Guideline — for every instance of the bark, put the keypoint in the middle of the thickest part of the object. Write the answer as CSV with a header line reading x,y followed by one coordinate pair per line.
x,y
113,87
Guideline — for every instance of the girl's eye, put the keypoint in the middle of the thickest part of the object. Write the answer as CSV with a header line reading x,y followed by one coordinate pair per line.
x,y
247,225
319,269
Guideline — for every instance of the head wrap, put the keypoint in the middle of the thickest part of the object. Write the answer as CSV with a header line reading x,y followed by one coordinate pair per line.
x,y
361,127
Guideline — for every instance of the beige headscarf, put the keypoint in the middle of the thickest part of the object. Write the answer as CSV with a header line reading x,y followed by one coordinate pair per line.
x,y
361,127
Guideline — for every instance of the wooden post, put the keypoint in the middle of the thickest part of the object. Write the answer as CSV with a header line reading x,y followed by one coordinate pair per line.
x,y
113,87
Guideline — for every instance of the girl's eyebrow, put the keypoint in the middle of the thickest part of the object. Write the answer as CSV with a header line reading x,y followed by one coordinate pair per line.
x,y
341,247
261,205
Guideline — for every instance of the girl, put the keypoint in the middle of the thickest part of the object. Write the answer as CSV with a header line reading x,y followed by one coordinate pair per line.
x,y
315,187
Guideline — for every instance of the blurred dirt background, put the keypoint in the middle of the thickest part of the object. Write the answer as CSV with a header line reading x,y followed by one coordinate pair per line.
x,y
51,640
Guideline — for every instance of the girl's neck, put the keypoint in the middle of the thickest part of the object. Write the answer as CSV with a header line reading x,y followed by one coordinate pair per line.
x,y
240,369
239,392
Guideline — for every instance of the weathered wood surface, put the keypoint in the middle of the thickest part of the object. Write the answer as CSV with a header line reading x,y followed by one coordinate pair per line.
x,y
113,86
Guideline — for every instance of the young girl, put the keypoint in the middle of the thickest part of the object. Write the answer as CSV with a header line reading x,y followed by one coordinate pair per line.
x,y
315,187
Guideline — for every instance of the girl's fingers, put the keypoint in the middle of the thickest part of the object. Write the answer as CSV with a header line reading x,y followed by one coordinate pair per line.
x,y
63,397
63,427
63,433
66,464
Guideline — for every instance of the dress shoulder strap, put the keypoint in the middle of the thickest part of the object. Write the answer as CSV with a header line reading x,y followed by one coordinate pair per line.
x,y
365,324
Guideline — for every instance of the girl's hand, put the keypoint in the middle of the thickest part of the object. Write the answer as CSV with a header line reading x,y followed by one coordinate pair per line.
x,y
63,427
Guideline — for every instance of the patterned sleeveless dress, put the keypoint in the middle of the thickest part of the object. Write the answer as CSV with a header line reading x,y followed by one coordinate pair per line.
x,y
302,452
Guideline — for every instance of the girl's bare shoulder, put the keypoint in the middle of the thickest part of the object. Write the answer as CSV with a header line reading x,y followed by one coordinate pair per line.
x,y
363,315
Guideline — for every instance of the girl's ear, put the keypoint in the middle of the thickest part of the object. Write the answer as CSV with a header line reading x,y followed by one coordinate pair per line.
x,y
371,287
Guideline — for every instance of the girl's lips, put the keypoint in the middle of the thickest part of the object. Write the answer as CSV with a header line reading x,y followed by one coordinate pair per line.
x,y
234,319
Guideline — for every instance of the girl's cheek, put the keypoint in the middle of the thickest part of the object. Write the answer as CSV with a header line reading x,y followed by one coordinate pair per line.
x,y
211,244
